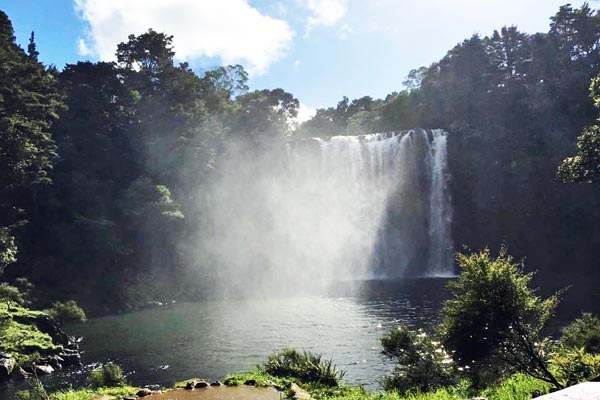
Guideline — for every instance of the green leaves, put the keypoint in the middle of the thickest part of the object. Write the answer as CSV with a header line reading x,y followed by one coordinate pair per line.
x,y
584,166
8,249
584,333
423,363
575,365
493,321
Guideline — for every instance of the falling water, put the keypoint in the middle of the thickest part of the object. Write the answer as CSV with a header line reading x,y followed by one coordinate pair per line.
x,y
391,172
440,209
297,215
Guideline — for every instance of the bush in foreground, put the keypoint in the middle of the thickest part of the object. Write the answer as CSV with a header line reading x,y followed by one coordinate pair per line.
x,y
492,324
109,375
572,366
584,332
305,366
423,364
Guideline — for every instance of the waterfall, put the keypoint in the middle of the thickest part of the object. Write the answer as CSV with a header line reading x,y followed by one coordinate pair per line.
x,y
298,214
440,209
391,172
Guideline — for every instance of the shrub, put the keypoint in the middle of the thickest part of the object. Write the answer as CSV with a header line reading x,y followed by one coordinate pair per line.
x,y
423,364
109,375
11,294
583,332
67,311
306,367
493,322
572,366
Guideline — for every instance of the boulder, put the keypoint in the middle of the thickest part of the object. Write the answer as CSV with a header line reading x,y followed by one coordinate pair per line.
x,y
70,357
190,385
216,383
7,364
144,392
201,384
250,382
50,326
43,369
55,361
299,393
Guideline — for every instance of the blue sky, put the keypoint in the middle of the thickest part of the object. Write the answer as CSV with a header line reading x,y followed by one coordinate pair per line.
x,y
319,50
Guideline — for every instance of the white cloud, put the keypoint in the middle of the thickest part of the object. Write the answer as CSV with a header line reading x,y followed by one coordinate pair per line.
x,y
229,29
325,12
82,48
344,32
296,64
305,112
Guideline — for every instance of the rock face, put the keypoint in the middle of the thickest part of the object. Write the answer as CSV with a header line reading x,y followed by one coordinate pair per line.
x,y
7,365
201,384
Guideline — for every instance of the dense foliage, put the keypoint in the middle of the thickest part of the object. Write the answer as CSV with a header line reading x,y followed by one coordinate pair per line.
x,y
423,363
108,375
493,323
131,145
585,165
492,328
104,164
584,333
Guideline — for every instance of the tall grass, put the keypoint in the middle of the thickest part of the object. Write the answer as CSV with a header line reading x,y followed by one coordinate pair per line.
x,y
305,366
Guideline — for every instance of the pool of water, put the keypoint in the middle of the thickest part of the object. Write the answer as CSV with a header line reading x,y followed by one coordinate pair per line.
x,y
214,338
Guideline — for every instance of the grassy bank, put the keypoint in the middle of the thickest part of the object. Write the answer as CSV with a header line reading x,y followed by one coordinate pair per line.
x,y
517,387
20,334
88,394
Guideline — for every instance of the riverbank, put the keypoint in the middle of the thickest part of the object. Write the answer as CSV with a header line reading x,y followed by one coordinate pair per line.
x,y
517,387
33,342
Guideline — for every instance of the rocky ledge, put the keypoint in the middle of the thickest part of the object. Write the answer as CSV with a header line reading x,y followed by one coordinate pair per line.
x,y
63,353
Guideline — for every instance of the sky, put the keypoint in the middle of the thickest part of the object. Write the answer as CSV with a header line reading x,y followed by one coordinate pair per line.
x,y
318,50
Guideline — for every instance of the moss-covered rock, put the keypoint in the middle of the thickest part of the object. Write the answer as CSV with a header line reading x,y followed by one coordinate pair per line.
x,y
33,337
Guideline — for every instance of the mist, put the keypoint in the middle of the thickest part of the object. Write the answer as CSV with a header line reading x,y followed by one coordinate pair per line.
x,y
291,217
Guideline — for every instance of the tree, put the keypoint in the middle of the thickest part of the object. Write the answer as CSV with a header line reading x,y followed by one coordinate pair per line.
x,y
150,53
8,249
264,113
584,166
29,103
493,322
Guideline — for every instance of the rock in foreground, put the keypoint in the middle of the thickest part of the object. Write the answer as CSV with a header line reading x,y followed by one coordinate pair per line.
x,y
582,391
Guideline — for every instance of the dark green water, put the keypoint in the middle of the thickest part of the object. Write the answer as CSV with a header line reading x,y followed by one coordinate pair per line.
x,y
214,338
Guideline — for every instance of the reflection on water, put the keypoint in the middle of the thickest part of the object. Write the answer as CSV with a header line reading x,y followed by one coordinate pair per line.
x,y
212,339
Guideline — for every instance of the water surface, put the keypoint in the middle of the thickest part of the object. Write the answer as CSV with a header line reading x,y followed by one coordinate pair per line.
x,y
214,338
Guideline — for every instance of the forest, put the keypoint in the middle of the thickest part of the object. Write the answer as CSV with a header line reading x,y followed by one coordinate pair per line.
x,y
105,170
104,163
